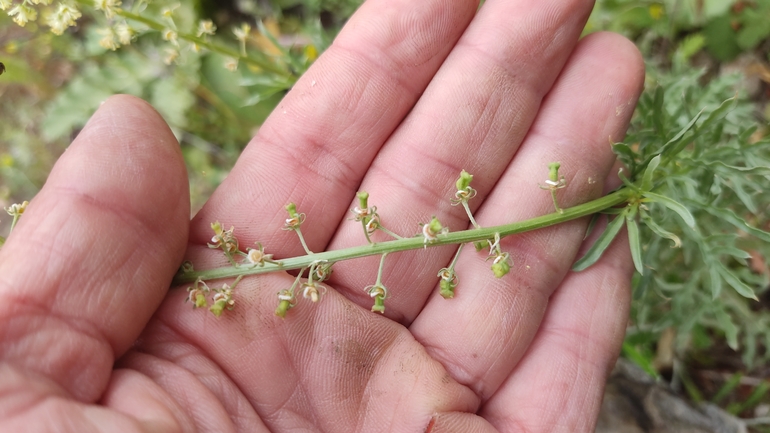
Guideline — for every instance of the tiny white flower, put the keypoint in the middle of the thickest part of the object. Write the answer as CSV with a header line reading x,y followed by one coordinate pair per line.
x,y
22,14
107,6
206,27
124,32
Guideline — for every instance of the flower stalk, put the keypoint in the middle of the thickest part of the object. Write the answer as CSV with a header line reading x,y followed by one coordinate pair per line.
x,y
459,237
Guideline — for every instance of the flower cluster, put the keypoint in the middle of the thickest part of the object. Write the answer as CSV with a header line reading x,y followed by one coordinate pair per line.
x,y
221,297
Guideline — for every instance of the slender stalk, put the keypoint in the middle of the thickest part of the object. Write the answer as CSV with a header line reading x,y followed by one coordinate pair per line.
x,y
470,215
378,282
302,239
414,243
13,223
389,233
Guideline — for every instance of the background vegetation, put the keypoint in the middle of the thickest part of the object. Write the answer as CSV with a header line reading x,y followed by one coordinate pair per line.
x,y
689,324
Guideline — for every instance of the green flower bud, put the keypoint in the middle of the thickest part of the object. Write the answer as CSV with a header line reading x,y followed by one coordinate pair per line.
x,y
217,227
218,307
283,307
435,226
447,289
363,200
501,268
200,300
291,208
464,181
379,304
553,174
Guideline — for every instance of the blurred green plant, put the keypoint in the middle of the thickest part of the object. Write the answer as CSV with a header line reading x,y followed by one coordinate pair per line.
x,y
727,27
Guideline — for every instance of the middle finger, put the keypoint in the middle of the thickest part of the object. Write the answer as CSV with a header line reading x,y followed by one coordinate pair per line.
x,y
473,116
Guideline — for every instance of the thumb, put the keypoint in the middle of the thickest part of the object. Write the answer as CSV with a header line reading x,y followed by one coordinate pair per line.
x,y
93,255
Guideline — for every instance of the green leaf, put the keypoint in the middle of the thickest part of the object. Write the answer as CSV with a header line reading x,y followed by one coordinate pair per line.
x,y
597,249
736,282
591,224
740,223
660,231
630,352
761,170
718,113
658,111
648,172
674,206
726,324
671,143
731,251
716,281
636,245
727,388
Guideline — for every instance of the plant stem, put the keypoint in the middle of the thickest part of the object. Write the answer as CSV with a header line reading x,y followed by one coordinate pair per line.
x,y
472,235
389,233
258,59
302,239
470,215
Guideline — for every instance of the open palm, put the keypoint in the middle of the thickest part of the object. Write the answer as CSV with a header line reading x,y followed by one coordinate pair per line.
x,y
411,92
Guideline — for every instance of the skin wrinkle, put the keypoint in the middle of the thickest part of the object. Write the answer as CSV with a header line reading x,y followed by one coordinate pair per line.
x,y
162,370
23,340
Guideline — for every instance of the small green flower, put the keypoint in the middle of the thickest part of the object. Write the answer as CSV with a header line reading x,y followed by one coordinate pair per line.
x,y
431,230
285,302
379,293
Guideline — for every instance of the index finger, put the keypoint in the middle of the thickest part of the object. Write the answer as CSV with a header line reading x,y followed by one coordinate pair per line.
x,y
318,143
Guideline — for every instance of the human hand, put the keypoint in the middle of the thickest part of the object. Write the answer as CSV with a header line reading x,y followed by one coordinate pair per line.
x,y
409,94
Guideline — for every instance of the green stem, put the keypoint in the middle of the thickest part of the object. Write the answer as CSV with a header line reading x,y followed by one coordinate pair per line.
x,y
555,203
366,232
470,215
13,223
302,239
379,271
457,256
472,235
389,233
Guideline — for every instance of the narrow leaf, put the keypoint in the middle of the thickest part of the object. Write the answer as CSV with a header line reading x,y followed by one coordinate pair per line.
x,y
601,244
674,206
736,282
681,133
636,245
660,231
591,224
726,324
648,172
732,218
732,251
726,106
716,282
